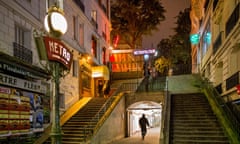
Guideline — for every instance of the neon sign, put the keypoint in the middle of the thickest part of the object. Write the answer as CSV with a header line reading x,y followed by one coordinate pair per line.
x,y
143,52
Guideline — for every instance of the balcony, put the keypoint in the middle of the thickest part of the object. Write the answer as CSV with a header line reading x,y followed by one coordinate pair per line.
x,y
22,53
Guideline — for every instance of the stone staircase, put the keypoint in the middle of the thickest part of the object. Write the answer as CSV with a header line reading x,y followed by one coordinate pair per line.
x,y
192,121
75,127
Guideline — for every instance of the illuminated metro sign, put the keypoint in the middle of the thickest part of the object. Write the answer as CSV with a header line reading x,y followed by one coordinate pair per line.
x,y
143,52
57,51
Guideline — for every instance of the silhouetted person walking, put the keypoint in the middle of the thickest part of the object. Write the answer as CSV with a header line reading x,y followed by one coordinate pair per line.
x,y
143,122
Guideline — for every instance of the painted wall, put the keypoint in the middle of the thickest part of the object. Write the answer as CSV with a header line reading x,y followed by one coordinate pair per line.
x,y
114,126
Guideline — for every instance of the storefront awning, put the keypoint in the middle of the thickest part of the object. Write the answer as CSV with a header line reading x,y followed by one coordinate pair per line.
x,y
100,71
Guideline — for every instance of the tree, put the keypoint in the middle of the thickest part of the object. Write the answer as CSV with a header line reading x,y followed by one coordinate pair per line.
x,y
131,19
177,48
182,45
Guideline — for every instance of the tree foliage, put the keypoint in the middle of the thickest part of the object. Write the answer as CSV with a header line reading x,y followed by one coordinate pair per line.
x,y
162,64
177,48
131,19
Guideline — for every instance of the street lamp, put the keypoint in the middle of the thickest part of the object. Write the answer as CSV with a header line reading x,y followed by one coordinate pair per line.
x,y
56,25
55,22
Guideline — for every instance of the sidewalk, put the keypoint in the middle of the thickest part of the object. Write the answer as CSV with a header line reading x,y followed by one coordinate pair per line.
x,y
152,137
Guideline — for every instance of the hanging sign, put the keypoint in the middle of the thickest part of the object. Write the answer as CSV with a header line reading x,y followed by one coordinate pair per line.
x,y
57,51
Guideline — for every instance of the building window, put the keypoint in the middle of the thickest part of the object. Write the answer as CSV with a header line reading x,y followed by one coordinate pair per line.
x,y
81,35
75,29
94,15
94,18
22,36
22,44
104,55
75,68
94,46
206,40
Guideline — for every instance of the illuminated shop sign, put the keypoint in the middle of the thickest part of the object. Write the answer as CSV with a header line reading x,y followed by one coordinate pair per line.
x,y
57,51
15,69
143,52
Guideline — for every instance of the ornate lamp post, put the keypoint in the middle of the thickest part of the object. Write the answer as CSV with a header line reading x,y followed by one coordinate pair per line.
x,y
56,25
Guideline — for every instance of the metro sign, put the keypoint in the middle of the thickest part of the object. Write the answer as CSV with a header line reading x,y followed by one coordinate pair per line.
x,y
143,52
57,51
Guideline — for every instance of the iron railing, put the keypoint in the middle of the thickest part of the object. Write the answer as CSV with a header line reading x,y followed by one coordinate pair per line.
x,y
152,84
165,123
95,123
159,84
228,112
22,53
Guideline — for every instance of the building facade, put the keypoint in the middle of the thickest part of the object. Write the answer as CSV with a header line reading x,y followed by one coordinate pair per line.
x,y
25,83
217,53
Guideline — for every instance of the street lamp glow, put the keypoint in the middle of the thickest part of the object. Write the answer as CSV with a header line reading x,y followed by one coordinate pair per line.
x,y
55,23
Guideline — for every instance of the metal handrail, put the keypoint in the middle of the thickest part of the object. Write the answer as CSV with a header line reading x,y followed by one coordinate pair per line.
x,y
94,121
213,93
165,123
123,88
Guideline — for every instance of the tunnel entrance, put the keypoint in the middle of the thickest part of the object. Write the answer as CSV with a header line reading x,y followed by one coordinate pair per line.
x,y
152,111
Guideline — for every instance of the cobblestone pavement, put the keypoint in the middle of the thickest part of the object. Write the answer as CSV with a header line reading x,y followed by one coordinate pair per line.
x,y
152,137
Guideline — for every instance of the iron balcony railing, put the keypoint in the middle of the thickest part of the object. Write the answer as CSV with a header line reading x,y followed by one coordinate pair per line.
x,y
22,53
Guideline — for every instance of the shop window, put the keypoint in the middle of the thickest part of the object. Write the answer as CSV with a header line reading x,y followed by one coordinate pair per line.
x,y
86,80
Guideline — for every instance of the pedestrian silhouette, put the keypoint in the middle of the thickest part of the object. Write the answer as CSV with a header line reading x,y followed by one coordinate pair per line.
x,y
143,123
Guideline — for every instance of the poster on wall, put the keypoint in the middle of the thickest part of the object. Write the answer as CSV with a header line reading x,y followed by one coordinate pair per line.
x,y
21,111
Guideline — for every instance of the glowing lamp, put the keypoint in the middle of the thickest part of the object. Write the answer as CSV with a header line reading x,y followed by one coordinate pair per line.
x,y
194,38
55,23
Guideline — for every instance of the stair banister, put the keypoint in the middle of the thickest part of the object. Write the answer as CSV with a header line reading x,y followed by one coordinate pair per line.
x,y
227,119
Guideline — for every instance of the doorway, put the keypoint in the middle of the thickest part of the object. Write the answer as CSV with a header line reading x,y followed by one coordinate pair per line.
x,y
152,111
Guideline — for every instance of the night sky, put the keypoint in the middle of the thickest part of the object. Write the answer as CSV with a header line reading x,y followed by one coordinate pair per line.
x,y
172,7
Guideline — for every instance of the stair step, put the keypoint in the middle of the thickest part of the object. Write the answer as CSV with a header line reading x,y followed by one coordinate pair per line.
x,y
199,137
196,132
193,121
84,121
199,142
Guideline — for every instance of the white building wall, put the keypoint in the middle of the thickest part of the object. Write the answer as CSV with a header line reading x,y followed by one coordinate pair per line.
x,y
223,59
30,15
